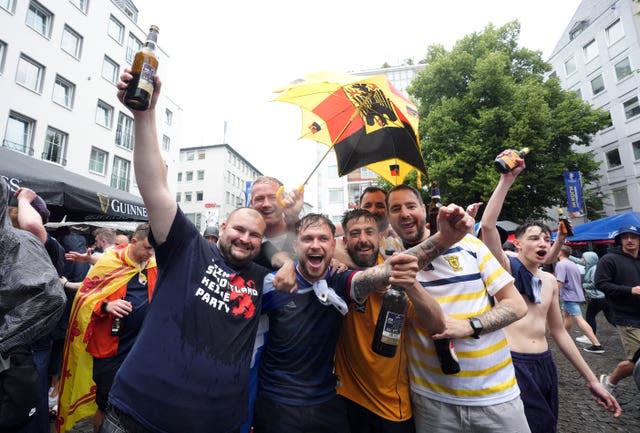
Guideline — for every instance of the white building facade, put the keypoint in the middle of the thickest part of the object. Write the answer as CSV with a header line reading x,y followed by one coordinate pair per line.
x,y
598,57
60,61
211,181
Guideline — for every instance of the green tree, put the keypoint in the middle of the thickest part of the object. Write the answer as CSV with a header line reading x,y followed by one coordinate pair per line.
x,y
488,94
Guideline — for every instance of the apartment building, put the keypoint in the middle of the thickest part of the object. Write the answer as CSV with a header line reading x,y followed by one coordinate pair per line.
x,y
60,61
211,182
598,56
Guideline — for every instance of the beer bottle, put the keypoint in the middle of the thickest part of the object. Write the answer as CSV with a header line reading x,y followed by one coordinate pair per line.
x,y
563,224
145,63
116,326
446,352
434,206
507,162
390,322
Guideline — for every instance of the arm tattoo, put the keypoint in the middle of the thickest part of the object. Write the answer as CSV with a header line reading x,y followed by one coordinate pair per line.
x,y
427,250
498,317
377,277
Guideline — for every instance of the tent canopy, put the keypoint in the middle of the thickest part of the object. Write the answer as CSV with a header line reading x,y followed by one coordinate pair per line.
x,y
69,195
604,228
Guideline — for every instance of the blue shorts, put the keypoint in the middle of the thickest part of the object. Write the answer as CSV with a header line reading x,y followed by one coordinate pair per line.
x,y
538,382
571,308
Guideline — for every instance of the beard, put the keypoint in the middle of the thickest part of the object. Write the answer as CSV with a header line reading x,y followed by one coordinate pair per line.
x,y
361,261
225,248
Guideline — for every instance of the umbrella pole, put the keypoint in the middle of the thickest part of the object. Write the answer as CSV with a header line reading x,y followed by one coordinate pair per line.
x,y
317,165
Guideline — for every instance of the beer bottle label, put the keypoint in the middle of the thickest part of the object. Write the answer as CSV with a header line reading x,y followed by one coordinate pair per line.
x,y
146,78
392,328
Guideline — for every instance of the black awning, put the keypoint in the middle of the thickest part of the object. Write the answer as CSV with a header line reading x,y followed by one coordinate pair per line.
x,y
69,194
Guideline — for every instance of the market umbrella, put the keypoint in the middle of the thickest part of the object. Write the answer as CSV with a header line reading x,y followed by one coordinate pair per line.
x,y
363,119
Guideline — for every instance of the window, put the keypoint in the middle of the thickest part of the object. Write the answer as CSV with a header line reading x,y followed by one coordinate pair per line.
x,y
623,68
55,146
200,174
332,172
636,149
19,133
83,5
228,200
133,46
620,198
115,29
201,154
613,159
631,107
178,197
120,173
39,19
597,85
199,195
104,114
166,143
7,5
610,122
110,70
63,92
578,93
3,50
189,176
615,32
124,131
30,73
187,196
570,66
336,195
590,51
98,161
190,155
168,116
71,42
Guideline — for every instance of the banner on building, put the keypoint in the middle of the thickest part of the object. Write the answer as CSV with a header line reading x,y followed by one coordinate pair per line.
x,y
247,192
573,188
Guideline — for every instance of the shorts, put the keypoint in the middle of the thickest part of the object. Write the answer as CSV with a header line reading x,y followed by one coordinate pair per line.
x,y
104,372
630,338
362,420
538,382
435,416
572,308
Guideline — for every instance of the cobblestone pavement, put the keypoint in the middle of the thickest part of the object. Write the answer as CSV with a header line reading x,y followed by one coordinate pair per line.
x,y
578,412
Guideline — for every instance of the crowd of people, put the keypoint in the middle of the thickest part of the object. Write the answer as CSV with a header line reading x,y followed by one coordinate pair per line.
x,y
266,324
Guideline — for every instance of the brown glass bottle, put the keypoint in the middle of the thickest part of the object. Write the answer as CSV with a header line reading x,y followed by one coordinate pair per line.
x,y
563,224
145,63
390,322
509,161
434,207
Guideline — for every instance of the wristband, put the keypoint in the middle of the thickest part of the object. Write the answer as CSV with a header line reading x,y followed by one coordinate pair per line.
x,y
103,307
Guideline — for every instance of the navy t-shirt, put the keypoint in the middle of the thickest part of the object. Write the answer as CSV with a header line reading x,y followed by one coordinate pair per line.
x,y
187,371
297,362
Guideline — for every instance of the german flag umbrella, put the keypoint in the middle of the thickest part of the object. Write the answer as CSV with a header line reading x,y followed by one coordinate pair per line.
x,y
365,120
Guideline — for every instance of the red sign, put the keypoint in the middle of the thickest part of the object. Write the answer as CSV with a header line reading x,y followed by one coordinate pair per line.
x,y
210,205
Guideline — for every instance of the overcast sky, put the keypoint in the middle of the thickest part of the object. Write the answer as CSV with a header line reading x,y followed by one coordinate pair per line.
x,y
227,57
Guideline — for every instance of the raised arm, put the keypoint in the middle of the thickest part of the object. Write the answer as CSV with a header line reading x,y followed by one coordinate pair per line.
x,y
489,222
28,218
150,169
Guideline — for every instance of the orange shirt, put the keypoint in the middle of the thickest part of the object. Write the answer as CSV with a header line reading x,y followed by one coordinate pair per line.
x,y
375,382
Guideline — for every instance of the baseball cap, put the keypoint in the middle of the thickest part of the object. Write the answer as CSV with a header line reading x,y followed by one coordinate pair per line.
x,y
626,229
41,207
211,231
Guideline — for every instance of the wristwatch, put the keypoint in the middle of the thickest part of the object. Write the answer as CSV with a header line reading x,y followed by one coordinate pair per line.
x,y
477,327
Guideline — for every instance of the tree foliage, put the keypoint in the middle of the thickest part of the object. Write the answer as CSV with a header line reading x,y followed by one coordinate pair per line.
x,y
488,94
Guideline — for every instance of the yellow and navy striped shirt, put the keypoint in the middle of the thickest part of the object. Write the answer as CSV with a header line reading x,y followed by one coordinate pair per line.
x,y
461,280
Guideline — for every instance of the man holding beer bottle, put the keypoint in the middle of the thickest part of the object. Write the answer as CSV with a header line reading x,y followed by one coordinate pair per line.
x,y
461,279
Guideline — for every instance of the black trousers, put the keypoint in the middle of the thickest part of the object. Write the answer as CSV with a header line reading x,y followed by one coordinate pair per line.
x,y
274,417
362,420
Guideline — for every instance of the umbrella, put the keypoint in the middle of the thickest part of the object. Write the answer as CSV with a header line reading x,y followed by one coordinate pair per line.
x,y
364,120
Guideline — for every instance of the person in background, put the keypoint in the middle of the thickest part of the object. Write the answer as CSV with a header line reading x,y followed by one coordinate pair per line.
x,y
107,313
105,239
572,295
618,277
596,301
122,239
211,233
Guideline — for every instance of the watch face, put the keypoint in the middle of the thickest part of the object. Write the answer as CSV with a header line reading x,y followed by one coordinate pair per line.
x,y
476,325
